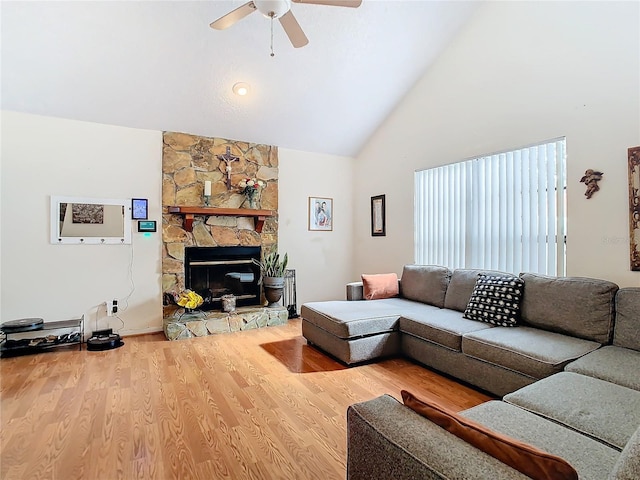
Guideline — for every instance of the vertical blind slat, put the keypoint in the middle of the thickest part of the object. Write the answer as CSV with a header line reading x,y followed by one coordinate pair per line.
x,y
517,208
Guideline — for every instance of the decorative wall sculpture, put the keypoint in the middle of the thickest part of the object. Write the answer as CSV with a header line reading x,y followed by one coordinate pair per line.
x,y
591,178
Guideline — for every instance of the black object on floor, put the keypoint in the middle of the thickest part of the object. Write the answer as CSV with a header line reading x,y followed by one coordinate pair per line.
x,y
104,342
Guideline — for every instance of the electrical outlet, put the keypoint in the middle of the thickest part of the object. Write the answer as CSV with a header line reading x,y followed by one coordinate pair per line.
x,y
114,306
109,304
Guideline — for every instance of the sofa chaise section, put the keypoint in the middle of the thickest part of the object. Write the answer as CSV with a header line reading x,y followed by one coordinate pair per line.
x,y
358,331
355,335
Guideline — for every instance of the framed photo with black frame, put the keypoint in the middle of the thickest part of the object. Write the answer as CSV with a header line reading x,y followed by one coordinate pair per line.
x,y
634,207
139,208
378,216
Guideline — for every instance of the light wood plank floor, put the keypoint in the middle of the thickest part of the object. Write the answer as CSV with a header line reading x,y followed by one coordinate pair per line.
x,y
256,404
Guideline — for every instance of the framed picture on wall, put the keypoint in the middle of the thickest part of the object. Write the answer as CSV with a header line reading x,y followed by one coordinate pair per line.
x,y
378,216
634,207
320,213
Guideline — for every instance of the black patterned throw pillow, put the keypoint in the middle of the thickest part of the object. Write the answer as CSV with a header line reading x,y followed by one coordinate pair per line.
x,y
496,300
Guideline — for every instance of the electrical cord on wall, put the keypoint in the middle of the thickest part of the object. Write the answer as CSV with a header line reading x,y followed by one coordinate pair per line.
x,y
125,299
121,321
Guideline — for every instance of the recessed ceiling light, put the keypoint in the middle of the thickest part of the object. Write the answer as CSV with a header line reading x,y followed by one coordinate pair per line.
x,y
241,88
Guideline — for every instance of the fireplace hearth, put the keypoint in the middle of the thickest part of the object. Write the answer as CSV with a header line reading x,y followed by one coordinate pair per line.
x,y
216,271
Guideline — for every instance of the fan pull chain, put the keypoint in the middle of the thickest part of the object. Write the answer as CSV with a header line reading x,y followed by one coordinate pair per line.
x,y
271,14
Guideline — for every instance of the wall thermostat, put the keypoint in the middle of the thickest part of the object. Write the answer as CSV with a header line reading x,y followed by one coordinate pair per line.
x,y
146,225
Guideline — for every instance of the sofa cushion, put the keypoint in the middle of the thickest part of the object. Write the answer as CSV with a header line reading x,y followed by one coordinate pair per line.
x,y
627,329
443,326
425,283
521,456
591,459
530,351
463,281
582,307
628,465
603,410
611,363
381,285
496,300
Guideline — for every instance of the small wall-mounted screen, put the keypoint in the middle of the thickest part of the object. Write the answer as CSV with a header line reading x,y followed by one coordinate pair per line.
x,y
146,225
139,208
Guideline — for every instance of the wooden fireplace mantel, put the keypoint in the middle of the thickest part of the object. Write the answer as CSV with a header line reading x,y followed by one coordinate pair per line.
x,y
188,213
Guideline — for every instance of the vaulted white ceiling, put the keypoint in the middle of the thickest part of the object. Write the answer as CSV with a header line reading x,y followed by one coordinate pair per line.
x,y
157,65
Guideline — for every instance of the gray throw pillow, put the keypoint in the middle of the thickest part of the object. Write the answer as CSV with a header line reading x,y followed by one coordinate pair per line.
x,y
496,300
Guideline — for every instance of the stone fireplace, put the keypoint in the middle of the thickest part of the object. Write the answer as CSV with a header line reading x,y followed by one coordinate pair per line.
x,y
189,228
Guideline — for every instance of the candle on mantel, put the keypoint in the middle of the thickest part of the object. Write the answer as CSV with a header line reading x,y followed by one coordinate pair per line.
x,y
207,187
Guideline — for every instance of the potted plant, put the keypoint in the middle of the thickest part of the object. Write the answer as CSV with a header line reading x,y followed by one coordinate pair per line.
x,y
273,270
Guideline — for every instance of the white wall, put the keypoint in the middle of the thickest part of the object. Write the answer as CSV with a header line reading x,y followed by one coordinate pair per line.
x,y
43,156
520,72
323,260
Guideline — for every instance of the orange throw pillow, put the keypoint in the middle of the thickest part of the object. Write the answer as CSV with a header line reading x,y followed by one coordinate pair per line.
x,y
521,456
382,285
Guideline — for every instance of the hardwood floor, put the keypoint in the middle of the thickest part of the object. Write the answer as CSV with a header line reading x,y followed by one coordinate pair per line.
x,y
255,404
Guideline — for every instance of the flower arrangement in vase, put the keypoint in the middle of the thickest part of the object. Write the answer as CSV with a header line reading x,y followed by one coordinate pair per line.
x,y
251,187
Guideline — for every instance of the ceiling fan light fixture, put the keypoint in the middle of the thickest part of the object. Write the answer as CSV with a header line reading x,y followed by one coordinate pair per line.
x,y
273,8
241,89
281,10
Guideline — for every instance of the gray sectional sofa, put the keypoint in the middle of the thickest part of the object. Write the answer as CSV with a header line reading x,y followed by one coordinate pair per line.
x,y
569,373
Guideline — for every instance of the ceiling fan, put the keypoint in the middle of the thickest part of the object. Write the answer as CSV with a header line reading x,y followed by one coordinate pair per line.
x,y
280,9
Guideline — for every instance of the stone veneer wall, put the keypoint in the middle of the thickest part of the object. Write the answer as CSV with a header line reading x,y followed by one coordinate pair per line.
x,y
187,162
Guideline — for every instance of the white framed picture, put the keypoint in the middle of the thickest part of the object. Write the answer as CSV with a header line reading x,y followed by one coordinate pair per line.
x,y
320,213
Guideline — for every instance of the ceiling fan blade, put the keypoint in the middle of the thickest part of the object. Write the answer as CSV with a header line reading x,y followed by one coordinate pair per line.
x,y
232,17
335,3
293,30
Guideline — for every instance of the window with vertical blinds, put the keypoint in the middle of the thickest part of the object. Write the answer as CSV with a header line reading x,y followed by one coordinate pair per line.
x,y
502,212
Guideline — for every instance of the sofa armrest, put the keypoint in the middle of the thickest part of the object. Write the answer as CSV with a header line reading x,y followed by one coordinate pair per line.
x,y
355,291
385,439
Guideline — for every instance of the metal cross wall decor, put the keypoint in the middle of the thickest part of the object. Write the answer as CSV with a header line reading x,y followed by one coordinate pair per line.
x,y
228,158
